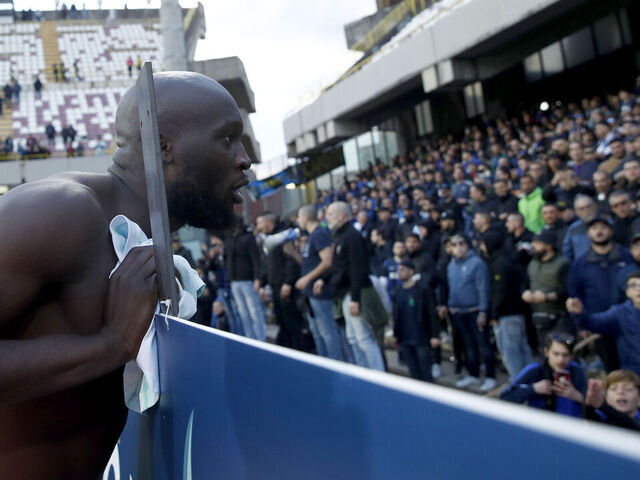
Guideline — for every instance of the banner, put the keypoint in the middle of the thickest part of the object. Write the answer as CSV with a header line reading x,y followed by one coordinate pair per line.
x,y
234,408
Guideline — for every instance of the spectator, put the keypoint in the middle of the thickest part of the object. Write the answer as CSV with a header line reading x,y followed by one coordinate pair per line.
x,y
316,261
623,217
605,137
54,67
629,177
614,162
37,88
506,312
507,202
461,187
130,65
415,322
583,168
557,384
617,402
547,287
138,63
530,204
430,237
518,241
8,93
391,268
576,241
224,310
50,132
602,183
15,91
243,262
481,203
362,309
468,304
592,279
621,279
68,134
449,203
421,259
553,222
619,322
281,273
179,249
380,252
386,226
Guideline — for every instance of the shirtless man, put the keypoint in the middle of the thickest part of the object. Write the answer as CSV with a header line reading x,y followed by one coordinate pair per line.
x,y
66,330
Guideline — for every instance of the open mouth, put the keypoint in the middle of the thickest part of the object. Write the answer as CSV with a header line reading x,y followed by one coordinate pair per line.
x,y
236,189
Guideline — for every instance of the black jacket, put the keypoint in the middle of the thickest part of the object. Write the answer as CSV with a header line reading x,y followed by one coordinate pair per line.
x,y
243,257
280,268
426,305
506,285
350,268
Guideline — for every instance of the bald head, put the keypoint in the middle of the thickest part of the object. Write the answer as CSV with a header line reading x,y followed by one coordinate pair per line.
x,y
203,158
338,214
184,100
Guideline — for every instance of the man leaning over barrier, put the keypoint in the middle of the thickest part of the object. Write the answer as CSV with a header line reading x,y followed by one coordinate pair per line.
x,y
66,329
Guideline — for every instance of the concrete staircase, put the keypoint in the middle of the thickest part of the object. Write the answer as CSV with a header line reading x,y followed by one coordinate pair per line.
x,y
50,47
6,121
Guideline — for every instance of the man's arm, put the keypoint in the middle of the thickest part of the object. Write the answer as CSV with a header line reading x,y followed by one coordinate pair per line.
x,y
42,241
482,284
254,257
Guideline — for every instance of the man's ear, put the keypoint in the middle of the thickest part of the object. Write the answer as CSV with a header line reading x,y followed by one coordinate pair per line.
x,y
165,149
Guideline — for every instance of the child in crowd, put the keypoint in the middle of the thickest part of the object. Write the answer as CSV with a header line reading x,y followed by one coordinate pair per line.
x,y
617,402
558,384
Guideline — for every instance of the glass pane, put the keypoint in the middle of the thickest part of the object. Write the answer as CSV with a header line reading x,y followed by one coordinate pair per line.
x,y
350,151
533,67
607,33
552,59
365,151
578,47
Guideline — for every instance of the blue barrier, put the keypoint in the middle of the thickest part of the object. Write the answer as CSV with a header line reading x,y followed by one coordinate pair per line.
x,y
234,408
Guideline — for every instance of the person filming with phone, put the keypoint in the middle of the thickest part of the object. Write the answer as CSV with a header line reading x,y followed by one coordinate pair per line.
x,y
557,384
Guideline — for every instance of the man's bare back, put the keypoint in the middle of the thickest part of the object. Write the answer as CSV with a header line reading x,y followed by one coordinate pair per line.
x,y
66,329
63,293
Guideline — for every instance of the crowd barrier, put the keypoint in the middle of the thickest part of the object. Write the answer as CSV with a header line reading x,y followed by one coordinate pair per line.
x,y
234,408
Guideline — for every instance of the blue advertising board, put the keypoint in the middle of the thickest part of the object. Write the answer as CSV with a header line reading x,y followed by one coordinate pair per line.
x,y
234,408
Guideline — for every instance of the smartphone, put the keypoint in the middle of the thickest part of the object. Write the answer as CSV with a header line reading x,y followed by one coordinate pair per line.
x,y
562,377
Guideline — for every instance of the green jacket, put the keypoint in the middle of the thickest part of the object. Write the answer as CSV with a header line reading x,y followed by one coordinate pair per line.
x,y
530,207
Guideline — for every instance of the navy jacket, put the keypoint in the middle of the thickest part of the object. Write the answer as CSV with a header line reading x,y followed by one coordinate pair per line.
x,y
521,389
621,322
594,282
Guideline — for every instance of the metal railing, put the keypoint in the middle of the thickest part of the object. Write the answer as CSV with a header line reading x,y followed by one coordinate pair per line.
x,y
389,22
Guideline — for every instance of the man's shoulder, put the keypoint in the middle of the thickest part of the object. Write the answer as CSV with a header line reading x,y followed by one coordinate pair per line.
x,y
56,212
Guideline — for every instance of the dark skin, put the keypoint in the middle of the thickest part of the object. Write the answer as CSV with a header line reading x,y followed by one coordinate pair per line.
x,y
66,329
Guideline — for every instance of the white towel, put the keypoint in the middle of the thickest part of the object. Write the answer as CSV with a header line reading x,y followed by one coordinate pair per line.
x,y
141,379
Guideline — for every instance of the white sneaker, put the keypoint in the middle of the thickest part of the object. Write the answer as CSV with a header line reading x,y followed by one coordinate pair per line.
x,y
436,370
488,384
467,381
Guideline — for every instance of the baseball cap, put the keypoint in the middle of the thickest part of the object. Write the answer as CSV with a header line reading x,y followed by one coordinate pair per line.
x,y
599,219
448,215
547,237
405,262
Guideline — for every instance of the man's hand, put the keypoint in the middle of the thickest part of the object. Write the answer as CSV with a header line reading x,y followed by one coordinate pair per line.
x,y
318,286
481,320
434,342
302,282
527,296
131,302
354,308
574,305
543,387
264,296
442,312
218,308
538,296
256,285
595,393
394,342
285,291
567,390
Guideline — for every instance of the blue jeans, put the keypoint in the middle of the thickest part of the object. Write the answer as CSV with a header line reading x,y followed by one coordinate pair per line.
x,y
418,360
231,311
360,336
250,309
476,343
511,337
324,329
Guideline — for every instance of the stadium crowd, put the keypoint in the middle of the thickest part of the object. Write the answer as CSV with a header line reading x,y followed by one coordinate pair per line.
x,y
518,244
